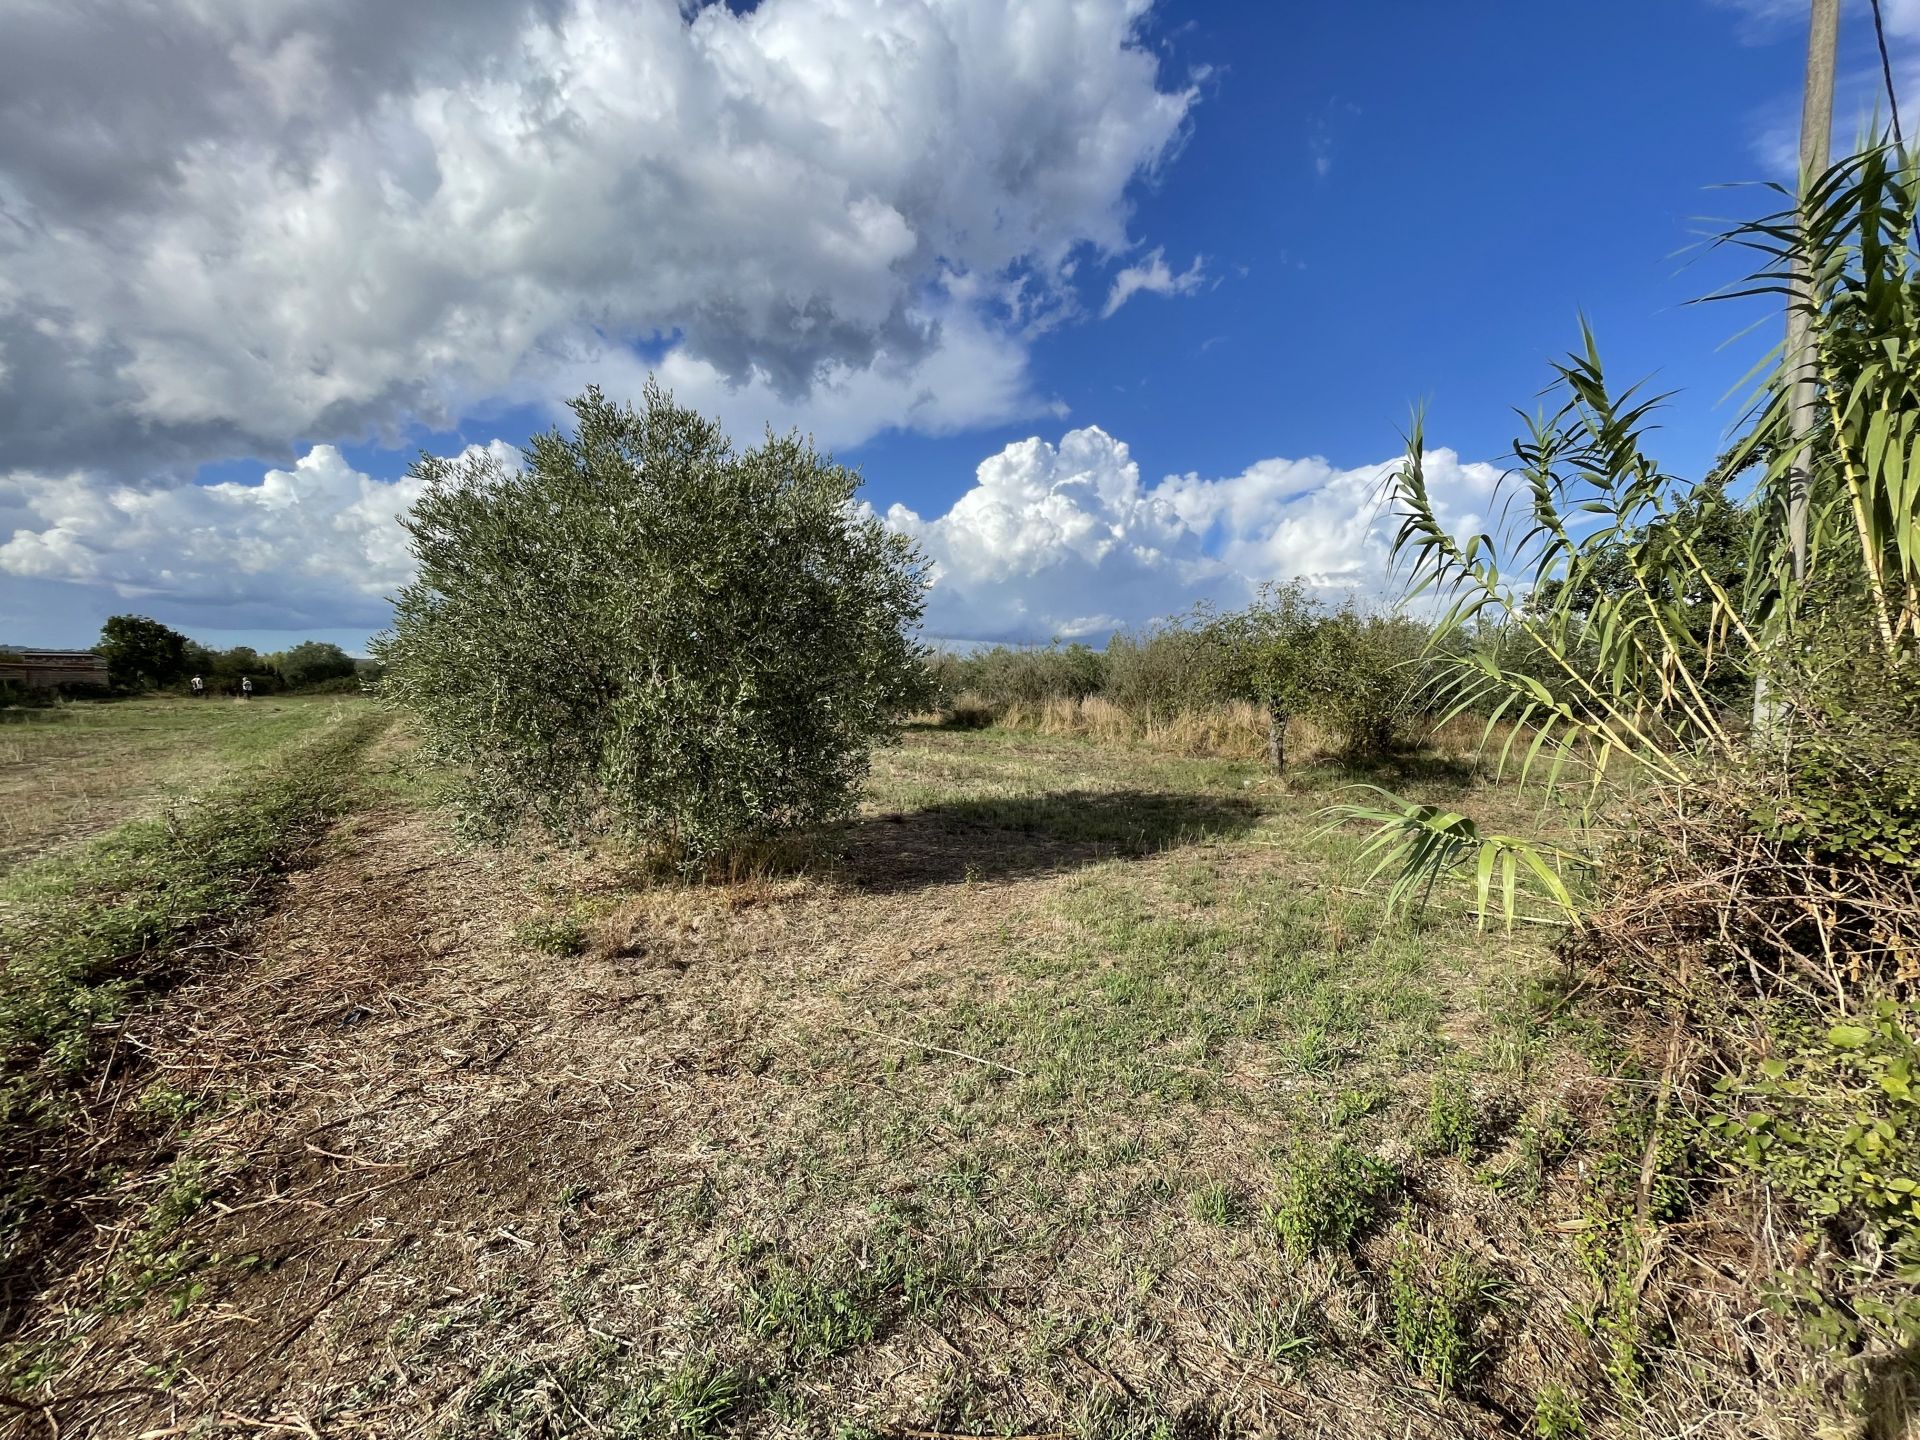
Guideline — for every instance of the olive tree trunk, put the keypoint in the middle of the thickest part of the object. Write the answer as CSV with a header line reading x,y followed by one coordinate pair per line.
x,y
1277,738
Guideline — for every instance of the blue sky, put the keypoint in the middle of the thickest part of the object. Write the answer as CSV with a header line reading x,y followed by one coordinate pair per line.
x,y
1354,210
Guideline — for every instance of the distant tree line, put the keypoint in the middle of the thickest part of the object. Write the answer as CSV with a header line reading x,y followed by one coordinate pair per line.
x,y
143,654
1370,682
1355,675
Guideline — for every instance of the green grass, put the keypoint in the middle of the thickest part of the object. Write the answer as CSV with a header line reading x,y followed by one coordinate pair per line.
x,y
1220,1203
1127,988
1286,1333
84,931
70,771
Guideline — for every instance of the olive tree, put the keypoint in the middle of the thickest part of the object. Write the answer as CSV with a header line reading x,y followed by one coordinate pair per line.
x,y
643,629
1351,672
1271,653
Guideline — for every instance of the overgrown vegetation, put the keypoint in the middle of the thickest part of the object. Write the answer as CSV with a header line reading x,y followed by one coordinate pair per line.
x,y
647,630
1350,674
1078,1094
1732,745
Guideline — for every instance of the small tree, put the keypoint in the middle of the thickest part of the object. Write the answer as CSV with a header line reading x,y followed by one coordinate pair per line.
x,y
141,653
1349,671
1273,653
645,629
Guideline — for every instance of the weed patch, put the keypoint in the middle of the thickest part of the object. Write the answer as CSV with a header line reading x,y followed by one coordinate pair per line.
x,y
1220,1203
1327,1194
1453,1123
1435,1307
557,935
1557,1415
1288,1333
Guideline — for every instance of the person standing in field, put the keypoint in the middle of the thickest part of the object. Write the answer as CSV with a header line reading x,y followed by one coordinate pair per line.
x,y
246,687
199,688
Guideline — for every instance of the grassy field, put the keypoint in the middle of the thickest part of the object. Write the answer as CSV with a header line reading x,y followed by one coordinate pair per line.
x,y
1076,1091
70,771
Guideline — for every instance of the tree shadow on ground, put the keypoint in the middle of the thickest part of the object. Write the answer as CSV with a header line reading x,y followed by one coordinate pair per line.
x,y
1392,772
1010,836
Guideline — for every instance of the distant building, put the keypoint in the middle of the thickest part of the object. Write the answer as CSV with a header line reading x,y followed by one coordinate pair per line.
x,y
51,669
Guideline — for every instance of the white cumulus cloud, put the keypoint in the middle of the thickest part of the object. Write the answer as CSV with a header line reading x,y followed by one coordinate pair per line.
x,y
1052,540
1065,541
317,545
231,224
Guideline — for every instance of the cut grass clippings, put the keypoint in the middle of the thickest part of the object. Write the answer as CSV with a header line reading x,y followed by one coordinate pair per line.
x,y
84,933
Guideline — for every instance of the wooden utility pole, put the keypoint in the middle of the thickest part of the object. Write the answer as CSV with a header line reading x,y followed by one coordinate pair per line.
x,y
1803,400
1816,154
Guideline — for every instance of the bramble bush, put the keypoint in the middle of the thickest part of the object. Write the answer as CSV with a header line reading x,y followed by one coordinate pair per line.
x,y
1833,1123
645,631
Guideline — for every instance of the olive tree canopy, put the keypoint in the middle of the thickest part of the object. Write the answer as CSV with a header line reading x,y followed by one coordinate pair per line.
x,y
646,630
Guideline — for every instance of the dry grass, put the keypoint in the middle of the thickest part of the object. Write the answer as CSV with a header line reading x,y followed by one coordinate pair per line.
x,y
979,1125
1233,732
1236,731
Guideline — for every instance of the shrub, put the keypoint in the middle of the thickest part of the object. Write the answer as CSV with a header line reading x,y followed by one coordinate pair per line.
x,y
1170,669
967,712
553,934
645,630
1351,673
1366,687
1007,675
